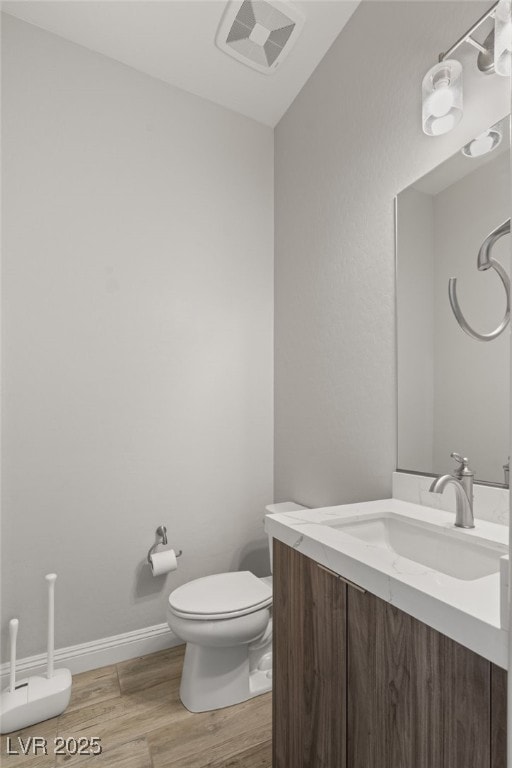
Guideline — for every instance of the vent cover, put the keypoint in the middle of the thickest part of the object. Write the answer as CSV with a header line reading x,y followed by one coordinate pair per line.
x,y
258,33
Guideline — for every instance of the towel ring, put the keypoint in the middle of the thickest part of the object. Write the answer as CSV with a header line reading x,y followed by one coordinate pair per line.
x,y
484,262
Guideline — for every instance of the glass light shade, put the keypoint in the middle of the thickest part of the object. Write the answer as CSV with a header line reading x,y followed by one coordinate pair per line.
x,y
482,144
503,38
442,97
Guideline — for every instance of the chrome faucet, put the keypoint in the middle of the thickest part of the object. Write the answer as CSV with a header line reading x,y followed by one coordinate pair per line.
x,y
462,481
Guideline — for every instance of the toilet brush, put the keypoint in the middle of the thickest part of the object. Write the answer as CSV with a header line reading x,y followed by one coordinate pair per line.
x,y
13,634
50,578
35,698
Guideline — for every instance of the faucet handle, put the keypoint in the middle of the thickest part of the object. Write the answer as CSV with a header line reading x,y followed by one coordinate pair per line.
x,y
463,468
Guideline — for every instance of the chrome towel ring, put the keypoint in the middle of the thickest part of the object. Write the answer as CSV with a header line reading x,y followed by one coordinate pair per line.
x,y
485,261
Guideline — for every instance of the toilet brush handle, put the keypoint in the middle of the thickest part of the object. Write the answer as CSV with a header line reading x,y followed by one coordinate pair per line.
x,y
13,634
50,578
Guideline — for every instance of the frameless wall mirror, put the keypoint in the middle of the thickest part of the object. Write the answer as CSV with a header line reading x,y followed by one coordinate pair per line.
x,y
454,390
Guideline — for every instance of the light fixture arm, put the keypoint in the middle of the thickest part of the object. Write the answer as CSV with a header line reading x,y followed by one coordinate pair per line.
x,y
467,36
479,47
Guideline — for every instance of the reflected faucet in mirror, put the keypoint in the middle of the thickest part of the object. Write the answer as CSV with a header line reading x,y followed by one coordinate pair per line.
x,y
462,481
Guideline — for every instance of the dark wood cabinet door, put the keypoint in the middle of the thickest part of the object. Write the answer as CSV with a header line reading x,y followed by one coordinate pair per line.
x,y
416,699
359,683
466,706
498,717
309,686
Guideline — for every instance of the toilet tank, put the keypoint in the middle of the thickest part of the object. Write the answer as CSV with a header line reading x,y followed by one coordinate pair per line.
x,y
275,509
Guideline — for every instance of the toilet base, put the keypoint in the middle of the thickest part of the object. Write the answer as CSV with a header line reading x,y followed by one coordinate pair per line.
x,y
214,678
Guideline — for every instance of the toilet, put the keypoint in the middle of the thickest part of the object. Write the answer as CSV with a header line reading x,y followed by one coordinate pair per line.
x,y
225,620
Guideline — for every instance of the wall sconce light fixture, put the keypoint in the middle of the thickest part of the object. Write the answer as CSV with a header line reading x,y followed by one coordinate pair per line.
x,y
483,144
442,96
503,38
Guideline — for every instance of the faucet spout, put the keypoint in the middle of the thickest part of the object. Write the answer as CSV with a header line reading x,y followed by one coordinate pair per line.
x,y
464,504
440,483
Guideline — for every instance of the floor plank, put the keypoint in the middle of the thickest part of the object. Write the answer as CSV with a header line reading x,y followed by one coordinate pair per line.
x,y
248,748
93,687
212,735
120,720
146,671
46,730
259,756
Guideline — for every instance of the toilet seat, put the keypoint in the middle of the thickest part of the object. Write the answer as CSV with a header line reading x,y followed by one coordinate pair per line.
x,y
221,596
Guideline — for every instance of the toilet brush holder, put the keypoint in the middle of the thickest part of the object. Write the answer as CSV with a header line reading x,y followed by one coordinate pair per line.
x,y
35,698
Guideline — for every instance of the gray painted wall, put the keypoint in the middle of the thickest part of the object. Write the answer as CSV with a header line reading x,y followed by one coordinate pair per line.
x,y
137,337
415,329
351,140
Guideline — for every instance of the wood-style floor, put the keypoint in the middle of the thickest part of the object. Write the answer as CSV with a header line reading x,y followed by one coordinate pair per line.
x,y
134,708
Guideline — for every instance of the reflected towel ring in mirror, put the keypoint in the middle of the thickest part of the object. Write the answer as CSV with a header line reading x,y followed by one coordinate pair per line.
x,y
485,261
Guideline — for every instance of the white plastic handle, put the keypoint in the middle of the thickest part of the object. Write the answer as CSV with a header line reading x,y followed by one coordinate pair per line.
x,y
51,579
13,634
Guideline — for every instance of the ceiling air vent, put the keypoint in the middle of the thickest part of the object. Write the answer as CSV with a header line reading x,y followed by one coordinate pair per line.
x,y
259,33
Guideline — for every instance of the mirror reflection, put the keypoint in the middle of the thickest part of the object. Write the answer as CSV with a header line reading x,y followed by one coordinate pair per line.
x,y
454,387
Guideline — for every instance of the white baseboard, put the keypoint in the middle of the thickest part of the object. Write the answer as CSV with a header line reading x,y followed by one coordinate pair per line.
x,y
97,653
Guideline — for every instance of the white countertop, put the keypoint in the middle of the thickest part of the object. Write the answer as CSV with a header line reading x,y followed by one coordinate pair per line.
x,y
468,611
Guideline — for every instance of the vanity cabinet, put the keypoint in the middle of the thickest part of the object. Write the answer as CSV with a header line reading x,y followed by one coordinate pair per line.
x,y
358,683
309,657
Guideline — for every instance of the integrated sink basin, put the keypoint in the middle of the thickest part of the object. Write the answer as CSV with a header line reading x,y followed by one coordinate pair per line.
x,y
437,548
413,557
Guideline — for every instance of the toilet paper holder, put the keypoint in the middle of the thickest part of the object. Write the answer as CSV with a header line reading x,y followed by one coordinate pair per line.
x,y
161,531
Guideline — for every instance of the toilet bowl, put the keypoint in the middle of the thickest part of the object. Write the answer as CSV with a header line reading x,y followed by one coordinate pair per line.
x,y
225,620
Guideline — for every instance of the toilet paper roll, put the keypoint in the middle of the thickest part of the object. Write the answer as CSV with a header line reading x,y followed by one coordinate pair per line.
x,y
163,562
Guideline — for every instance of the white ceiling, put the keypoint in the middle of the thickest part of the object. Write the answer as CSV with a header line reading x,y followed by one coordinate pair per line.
x,y
174,40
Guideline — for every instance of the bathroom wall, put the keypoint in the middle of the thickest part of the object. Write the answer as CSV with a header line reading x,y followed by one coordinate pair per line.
x,y
137,337
415,329
350,141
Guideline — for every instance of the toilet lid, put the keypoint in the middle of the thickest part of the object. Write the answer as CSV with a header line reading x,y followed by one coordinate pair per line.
x,y
221,595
